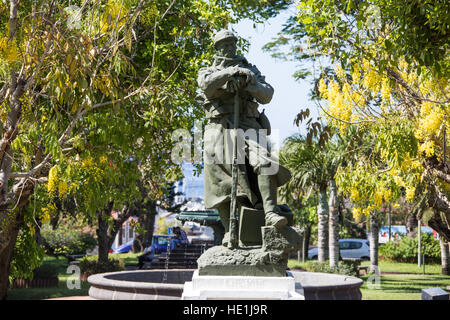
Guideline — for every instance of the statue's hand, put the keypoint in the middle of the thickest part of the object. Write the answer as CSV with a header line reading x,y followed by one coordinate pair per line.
x,y
232,86
236,71
249,75
238,82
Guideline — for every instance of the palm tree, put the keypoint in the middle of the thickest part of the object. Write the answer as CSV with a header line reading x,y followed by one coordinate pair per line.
x,y
303,206
313,166
333,231
445,257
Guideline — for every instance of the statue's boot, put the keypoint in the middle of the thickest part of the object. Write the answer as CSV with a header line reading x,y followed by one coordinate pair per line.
x,y
268,189
224,214
226,239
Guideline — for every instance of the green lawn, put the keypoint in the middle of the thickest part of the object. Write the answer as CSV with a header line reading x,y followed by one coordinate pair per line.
x,y
400,267
60,265
402,287
398,281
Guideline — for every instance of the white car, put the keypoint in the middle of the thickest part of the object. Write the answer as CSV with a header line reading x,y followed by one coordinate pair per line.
x,y
349,248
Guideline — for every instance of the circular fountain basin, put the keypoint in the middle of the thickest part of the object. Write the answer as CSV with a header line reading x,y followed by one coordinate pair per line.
x,y
160,284
328,286
155,284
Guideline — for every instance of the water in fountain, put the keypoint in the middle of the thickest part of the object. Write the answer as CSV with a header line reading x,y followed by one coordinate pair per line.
x,y
166,265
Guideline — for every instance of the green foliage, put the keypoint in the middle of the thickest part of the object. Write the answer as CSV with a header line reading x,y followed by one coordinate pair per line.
x,y
349,268
311,164
352,230
27,256
406,249
65,240
90,265
45,271
103,94
415,30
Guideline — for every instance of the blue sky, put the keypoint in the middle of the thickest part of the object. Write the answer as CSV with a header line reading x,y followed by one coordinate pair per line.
x,y
290,96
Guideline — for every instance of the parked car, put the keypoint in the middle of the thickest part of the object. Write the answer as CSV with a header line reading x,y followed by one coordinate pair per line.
x,y
161,242
126,247
349,248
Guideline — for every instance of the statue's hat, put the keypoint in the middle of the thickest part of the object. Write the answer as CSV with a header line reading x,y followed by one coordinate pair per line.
x,y
223,35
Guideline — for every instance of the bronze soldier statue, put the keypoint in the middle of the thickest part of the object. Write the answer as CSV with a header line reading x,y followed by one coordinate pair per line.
x,y
230,80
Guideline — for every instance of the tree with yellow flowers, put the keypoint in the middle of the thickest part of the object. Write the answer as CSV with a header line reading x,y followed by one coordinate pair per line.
x,y
383,68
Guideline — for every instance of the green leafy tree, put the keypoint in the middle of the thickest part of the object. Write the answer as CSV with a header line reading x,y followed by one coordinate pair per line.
x,y
312,167
74,72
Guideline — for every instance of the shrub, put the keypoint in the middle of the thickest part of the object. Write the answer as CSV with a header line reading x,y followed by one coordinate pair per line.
x,y
349,268
90,265
65,240
405,250
45,271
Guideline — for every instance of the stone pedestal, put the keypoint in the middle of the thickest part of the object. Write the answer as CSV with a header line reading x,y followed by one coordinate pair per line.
x,y
242,288
269,260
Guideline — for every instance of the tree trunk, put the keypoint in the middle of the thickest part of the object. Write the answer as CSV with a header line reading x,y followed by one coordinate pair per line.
x,y
437,223
150,218
373,240
6,256
5,261
306,238
441,205
333,232
105,236
147,221
322,212
102,238
445,257
411,225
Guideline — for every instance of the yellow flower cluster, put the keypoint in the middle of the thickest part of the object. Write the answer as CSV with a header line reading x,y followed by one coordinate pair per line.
x,y
387,195
354,196
378,198
430,122
47,212
338,105
399,181
347,101
366,211
339,72
86,163
45,215
8,50
114,13
53,179
386,91
410,191
357,213
427,148
56,185
380,195
63,189
356,74
323,89
371,78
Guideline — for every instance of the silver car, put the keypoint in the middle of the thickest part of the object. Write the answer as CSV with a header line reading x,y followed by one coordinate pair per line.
x,y
349,248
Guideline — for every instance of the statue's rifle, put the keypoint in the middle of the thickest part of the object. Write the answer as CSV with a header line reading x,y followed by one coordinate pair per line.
x,y
233,243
